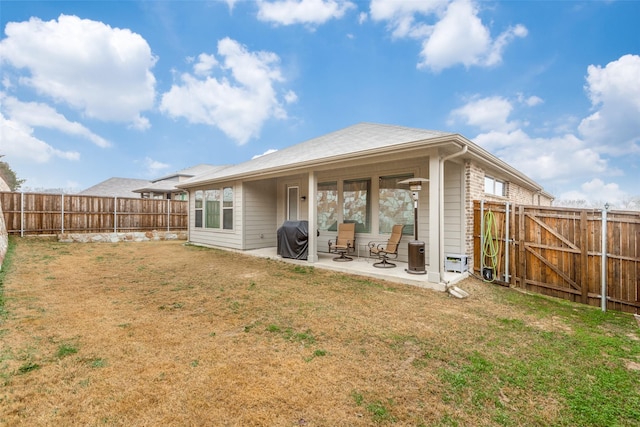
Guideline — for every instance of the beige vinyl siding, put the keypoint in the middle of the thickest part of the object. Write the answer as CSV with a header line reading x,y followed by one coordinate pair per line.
x,y
217,237
423,224
453,209
260,212
302,182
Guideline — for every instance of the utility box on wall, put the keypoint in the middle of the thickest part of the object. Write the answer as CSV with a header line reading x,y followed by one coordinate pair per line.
x,y
456,262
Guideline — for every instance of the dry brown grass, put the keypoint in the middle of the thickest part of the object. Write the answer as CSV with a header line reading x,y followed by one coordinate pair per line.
x,y
171,334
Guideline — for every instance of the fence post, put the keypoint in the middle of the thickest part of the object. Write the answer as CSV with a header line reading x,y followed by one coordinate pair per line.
x,y
21,214
507,248
603,280
522,254
584,256
482,238
62,213
115,214
168,214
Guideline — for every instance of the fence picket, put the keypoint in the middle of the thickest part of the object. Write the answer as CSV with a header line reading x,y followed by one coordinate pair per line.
x,y
560,251
42,213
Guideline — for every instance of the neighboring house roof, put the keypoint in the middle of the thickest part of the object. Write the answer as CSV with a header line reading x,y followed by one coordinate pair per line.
x,y
115,187
159,187
190,172
167,184
131,187
359,140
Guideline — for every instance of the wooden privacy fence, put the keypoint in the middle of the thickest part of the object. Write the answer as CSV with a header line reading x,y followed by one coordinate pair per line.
x,y
559,252
37,213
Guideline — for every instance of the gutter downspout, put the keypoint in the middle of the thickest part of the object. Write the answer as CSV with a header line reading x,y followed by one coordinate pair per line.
x,y
465,147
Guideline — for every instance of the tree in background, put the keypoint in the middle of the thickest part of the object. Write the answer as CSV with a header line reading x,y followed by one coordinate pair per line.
x,y
9,176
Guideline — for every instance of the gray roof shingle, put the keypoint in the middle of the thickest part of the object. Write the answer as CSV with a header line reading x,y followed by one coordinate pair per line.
x,y
354,139
116,187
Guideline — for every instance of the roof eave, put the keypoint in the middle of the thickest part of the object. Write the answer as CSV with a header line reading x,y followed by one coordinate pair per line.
x,y
503,166
293,167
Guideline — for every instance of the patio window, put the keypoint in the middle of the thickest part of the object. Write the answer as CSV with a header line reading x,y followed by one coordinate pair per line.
x,y
493,186
227,208
395,204
198,208
292,203
357,203
327,205
212,208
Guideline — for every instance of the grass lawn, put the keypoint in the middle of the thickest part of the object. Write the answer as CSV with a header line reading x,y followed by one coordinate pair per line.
x,y
163,333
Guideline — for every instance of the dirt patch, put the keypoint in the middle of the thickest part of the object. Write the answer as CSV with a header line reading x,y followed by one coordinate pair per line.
x,y
163,333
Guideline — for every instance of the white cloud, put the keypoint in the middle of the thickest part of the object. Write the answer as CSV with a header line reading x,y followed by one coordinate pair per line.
x,y
614,92
269,151
312,12
153,167
230,3
531,101
103,72
552,159
401,15
556,159
237,103
451,33
487,114
596,192
205,64
17,140
34,114
290,97
461,38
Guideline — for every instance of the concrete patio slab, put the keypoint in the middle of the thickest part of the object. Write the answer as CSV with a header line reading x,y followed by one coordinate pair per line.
x,y
363,266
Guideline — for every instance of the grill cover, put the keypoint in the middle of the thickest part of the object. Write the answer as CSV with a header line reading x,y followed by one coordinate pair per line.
x,y
293,239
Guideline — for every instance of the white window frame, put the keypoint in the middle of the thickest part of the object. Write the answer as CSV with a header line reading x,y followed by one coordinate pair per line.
x,y
227,209
199,209
494,186
227,219
293,201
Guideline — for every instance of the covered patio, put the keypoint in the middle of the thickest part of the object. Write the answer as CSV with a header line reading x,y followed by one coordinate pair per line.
x,y
362,265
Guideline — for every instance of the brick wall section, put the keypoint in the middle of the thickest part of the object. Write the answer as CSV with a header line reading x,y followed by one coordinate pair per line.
x,y
522,196
474,190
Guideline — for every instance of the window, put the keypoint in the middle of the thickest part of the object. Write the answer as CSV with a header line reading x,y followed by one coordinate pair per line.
x,y
198,199
395,204
327,205
212,208
493,186
357,204
227,208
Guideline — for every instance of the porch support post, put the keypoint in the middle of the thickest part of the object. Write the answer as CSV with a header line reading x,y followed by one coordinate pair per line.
x,y
312,251
433,272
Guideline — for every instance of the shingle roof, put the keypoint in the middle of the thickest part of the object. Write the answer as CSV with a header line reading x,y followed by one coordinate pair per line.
x,y
168,185
191,171
354,139
116,187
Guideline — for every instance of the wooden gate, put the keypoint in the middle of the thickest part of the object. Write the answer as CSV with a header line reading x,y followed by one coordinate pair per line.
x,y
559,251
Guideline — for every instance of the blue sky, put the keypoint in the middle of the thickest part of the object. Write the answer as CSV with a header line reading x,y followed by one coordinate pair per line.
x,y
141,89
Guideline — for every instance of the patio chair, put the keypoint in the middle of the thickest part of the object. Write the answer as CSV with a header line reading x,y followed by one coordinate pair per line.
x,y
390,249
345,242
